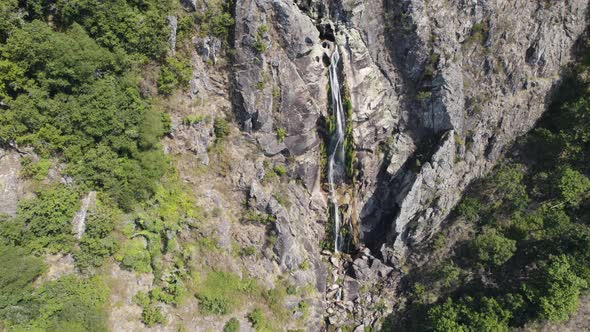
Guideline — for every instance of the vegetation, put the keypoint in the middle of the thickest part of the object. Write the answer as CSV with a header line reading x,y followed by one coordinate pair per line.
x,y
220,128
259,43
18,271
66,304
80,103
98,241
221,292
529,256
216,20
36,170
43,223
175,73
281,133
150,313
232,325
257,319
191,120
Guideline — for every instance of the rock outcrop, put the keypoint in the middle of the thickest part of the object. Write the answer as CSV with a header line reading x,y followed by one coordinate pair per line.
x,y
438,90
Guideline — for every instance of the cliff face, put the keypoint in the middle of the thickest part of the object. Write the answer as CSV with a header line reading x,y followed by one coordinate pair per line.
x,y
438,90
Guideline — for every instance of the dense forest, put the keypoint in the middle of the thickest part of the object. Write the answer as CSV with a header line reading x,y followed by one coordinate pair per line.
x,y
528,258
71,78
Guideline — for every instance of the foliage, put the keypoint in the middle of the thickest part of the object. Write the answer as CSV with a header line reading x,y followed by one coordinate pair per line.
x,y
138,27
449,273
98,241
37,170
573,186
281,133
232,325
216,20
468,314
469,208
66,304
175,73
80,102
493,248
555,289
18,271
134,256
259,217
259,43
221,292
257,319
150,313
44,223
220,128
279,170
191,120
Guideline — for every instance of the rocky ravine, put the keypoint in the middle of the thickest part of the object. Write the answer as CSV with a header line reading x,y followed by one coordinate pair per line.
x,y
438,90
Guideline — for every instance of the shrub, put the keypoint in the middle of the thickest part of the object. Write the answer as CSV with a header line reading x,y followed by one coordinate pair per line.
x,y
18,271
151,315
281,133
573,186
438,242
221,292
493,248
423,96
259,43
257,319
216,20
44,223
134,256
37,170
190,120
97,241
449,273
175,73
555,289
220,128
469,208
280,170
232,325
81,103
66,304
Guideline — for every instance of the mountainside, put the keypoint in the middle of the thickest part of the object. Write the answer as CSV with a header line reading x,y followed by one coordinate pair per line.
x,y
262,164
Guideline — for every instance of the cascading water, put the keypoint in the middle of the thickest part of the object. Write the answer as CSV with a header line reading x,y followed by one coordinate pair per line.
x,y
336,152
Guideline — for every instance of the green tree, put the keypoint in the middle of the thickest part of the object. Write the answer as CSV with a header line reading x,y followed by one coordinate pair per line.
x,y
175,73
493,248
573,186
445,318
555,289
232,325
44,222
18,271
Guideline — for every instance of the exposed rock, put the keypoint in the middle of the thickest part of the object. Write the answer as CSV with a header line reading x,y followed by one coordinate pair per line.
x,y
190,4
79,220
11,187
173,25
209,48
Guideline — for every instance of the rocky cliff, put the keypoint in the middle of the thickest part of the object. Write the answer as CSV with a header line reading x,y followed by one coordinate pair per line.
x,y
438,89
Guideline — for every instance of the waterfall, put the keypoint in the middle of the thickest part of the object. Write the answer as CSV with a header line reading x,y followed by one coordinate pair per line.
x,y
336,148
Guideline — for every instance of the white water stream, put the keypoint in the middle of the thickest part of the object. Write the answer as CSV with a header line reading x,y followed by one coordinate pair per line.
x,y
336,152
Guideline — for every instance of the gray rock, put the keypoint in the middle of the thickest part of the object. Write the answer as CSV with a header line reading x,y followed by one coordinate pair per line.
x,y
11,186
172,25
